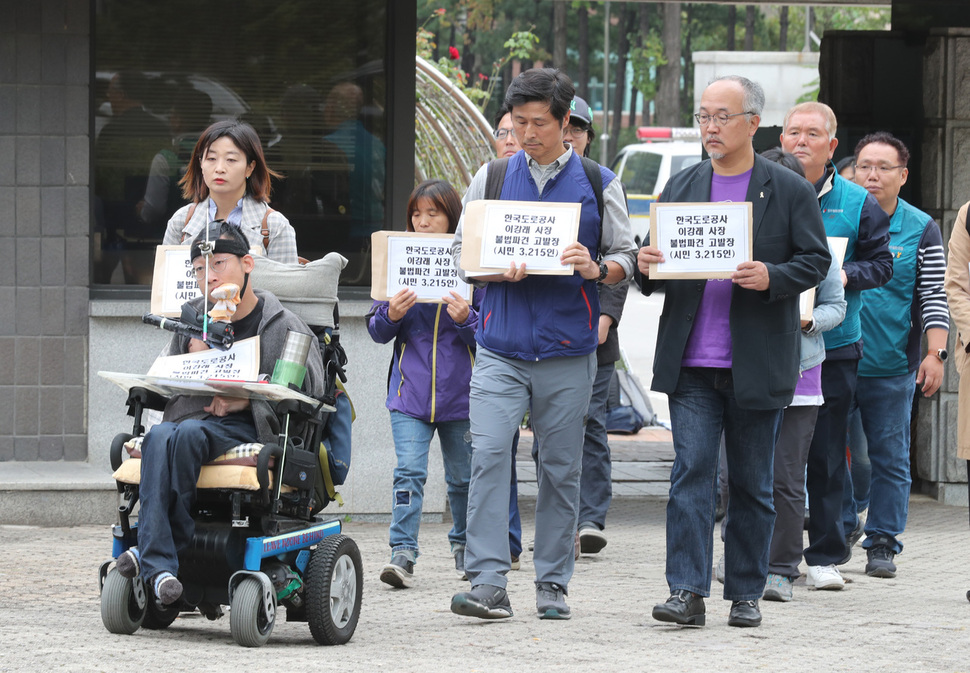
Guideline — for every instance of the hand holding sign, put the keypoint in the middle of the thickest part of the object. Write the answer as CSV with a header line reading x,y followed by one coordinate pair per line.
x,y
578,255
400,304
457,308
751,276
702,240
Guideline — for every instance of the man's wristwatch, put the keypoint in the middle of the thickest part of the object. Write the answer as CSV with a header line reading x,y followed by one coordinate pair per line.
x,y
604,272
942,354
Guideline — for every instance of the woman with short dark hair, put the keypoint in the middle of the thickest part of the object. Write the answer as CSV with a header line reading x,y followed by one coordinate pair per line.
x,y
228,179
434,350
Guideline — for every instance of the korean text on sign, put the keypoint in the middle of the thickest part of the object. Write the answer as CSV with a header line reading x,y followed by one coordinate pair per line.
x,y
423,265
521,234
702,240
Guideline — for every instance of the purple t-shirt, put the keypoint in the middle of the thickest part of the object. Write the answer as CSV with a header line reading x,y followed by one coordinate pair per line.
x,y
810,383
709,343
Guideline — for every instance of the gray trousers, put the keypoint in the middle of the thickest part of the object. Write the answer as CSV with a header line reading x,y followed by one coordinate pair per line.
x,y
501,392
791,457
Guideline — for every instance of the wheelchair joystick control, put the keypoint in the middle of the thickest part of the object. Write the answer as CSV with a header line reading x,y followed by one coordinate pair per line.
x,y
290,368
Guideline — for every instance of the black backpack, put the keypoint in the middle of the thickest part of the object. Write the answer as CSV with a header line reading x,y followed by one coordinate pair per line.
x,y
497,168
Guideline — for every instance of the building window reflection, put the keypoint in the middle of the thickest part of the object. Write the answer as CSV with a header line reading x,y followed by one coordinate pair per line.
x,y
308,76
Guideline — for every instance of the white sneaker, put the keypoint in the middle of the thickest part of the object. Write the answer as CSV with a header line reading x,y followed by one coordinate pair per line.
x,y
825,577
719,570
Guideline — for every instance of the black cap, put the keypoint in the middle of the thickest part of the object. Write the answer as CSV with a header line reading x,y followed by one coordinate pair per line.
x,y
579,109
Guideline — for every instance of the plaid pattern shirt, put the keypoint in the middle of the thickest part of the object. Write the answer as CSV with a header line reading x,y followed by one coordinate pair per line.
x,y
282,237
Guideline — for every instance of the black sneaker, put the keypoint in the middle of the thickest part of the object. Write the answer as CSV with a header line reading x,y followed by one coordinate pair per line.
x,y
591,539
551,601
484,601
881,561
399,572
851,539
459,554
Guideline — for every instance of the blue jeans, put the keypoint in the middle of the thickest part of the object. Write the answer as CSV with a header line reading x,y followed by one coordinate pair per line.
x,y
172,457
515,519
596,482
700,408
412,441
859,476
885,404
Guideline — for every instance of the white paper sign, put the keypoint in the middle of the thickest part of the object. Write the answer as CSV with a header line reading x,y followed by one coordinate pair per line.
x,y
515,233
239,363
173,283
701,240
424,265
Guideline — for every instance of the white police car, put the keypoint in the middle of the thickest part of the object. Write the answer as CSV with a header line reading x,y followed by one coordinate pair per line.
x,y
645,167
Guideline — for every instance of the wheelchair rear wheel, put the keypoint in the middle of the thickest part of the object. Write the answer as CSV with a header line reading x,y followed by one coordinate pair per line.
x,y
120,609
334,588
249,623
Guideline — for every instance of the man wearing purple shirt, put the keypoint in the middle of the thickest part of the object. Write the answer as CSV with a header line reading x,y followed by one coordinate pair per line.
x,y
727,356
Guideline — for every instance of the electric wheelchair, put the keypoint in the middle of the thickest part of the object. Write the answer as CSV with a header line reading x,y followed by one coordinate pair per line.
x,y
260,542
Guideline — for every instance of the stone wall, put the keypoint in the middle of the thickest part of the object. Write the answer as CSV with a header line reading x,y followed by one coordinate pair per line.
x,y
945,168
44,229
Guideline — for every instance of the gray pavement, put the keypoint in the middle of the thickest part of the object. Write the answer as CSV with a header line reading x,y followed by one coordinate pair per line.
x,y
916,622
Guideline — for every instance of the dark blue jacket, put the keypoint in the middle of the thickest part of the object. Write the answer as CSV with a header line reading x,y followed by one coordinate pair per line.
x,y
542,317
789,239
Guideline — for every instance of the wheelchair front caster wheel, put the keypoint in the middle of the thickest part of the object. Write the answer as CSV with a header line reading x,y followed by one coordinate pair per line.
x,y
249,621
123,603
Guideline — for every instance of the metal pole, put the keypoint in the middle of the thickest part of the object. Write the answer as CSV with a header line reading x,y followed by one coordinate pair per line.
x,y
605,133
808,28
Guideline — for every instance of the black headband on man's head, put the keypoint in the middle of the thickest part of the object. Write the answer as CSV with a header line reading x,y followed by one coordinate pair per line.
x,y
220,237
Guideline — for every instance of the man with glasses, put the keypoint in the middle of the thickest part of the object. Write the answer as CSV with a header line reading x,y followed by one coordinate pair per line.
x,y
727,356
505,143
848,212
894,318
195,429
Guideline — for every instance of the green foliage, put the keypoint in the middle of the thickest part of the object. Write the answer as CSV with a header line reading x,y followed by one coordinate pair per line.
x,y
811,94
644,61
522,45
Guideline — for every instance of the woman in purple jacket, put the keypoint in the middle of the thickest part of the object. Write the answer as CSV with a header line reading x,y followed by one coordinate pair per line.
x,y
434,351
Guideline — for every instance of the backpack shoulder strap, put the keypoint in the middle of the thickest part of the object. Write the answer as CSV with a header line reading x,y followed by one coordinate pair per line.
x,y
187,218
495,178
264,228
595,177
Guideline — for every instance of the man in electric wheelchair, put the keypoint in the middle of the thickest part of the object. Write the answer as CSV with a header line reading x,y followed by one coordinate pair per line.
x,y
278,518
196,430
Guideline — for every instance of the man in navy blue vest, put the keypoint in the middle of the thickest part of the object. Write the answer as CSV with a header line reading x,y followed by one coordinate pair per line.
x,y
537,345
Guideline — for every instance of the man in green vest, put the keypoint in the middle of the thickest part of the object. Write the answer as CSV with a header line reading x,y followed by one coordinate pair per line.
x,y
849,212
894,318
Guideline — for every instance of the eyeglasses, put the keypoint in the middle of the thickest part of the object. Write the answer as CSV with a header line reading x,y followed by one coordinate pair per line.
x,y
216,265
883,170
501,133
575,131
720,118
